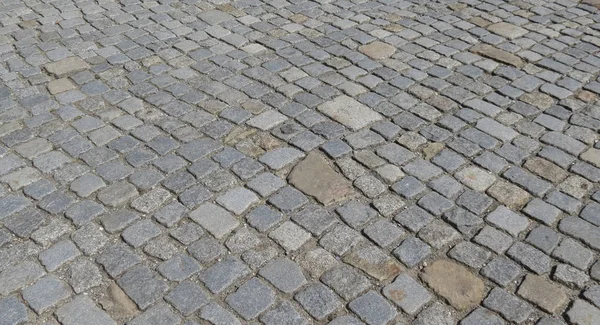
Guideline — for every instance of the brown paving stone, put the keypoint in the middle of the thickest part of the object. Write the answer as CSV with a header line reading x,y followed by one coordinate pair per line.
x,y
377,50
546,169
509,194
539,100
67,66
60,85
374,262
538,290
499,55
507,30
455,283
315,177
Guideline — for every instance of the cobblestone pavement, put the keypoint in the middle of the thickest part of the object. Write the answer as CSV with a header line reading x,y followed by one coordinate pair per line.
x,y
299,162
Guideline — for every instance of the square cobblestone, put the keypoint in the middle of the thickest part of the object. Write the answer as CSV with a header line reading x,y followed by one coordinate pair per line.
x,y
159,145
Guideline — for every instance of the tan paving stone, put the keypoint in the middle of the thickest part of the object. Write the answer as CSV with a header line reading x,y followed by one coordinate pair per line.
x,y
455,283
476,178
499,55
377,50
314,176
60,85
539,100
546,169
349,112
67,66
374,262
509,194
507,30
538,290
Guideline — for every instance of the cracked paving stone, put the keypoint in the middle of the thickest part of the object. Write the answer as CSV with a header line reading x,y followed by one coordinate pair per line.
x,y
374,262
187,297
143,286
583,313
407,294
218,315
482,316
117,194
117,258
530,257
501,270
83,311
251,298
222,274
151,201
346,281
155,315
285,313
437,313
288,199
19,275
179,267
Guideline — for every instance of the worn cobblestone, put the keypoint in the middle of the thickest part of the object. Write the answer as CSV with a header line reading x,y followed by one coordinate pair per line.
x,y
299,162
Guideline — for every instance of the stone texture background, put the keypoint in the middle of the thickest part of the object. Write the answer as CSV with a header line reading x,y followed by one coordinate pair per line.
x,y
299,162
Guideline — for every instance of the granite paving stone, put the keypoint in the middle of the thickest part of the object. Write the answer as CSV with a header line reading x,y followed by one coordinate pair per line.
x,y
299,162
407,294
83,310
13,311
509,306
45,293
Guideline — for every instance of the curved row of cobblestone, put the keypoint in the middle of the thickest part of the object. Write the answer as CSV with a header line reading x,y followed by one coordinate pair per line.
x,y
299,162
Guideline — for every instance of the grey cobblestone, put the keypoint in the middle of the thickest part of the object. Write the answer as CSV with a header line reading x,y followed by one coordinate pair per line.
x,y
153,144
45,293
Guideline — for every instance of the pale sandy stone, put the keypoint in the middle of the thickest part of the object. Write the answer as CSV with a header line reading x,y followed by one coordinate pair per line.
x,y
349,112
454,282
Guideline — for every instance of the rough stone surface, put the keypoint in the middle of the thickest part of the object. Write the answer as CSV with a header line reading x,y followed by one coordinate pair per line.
x,y
349,112
172,162
539,291
498,55
82,310
583,313
315,177
454,282
377,50
66,66
507,30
